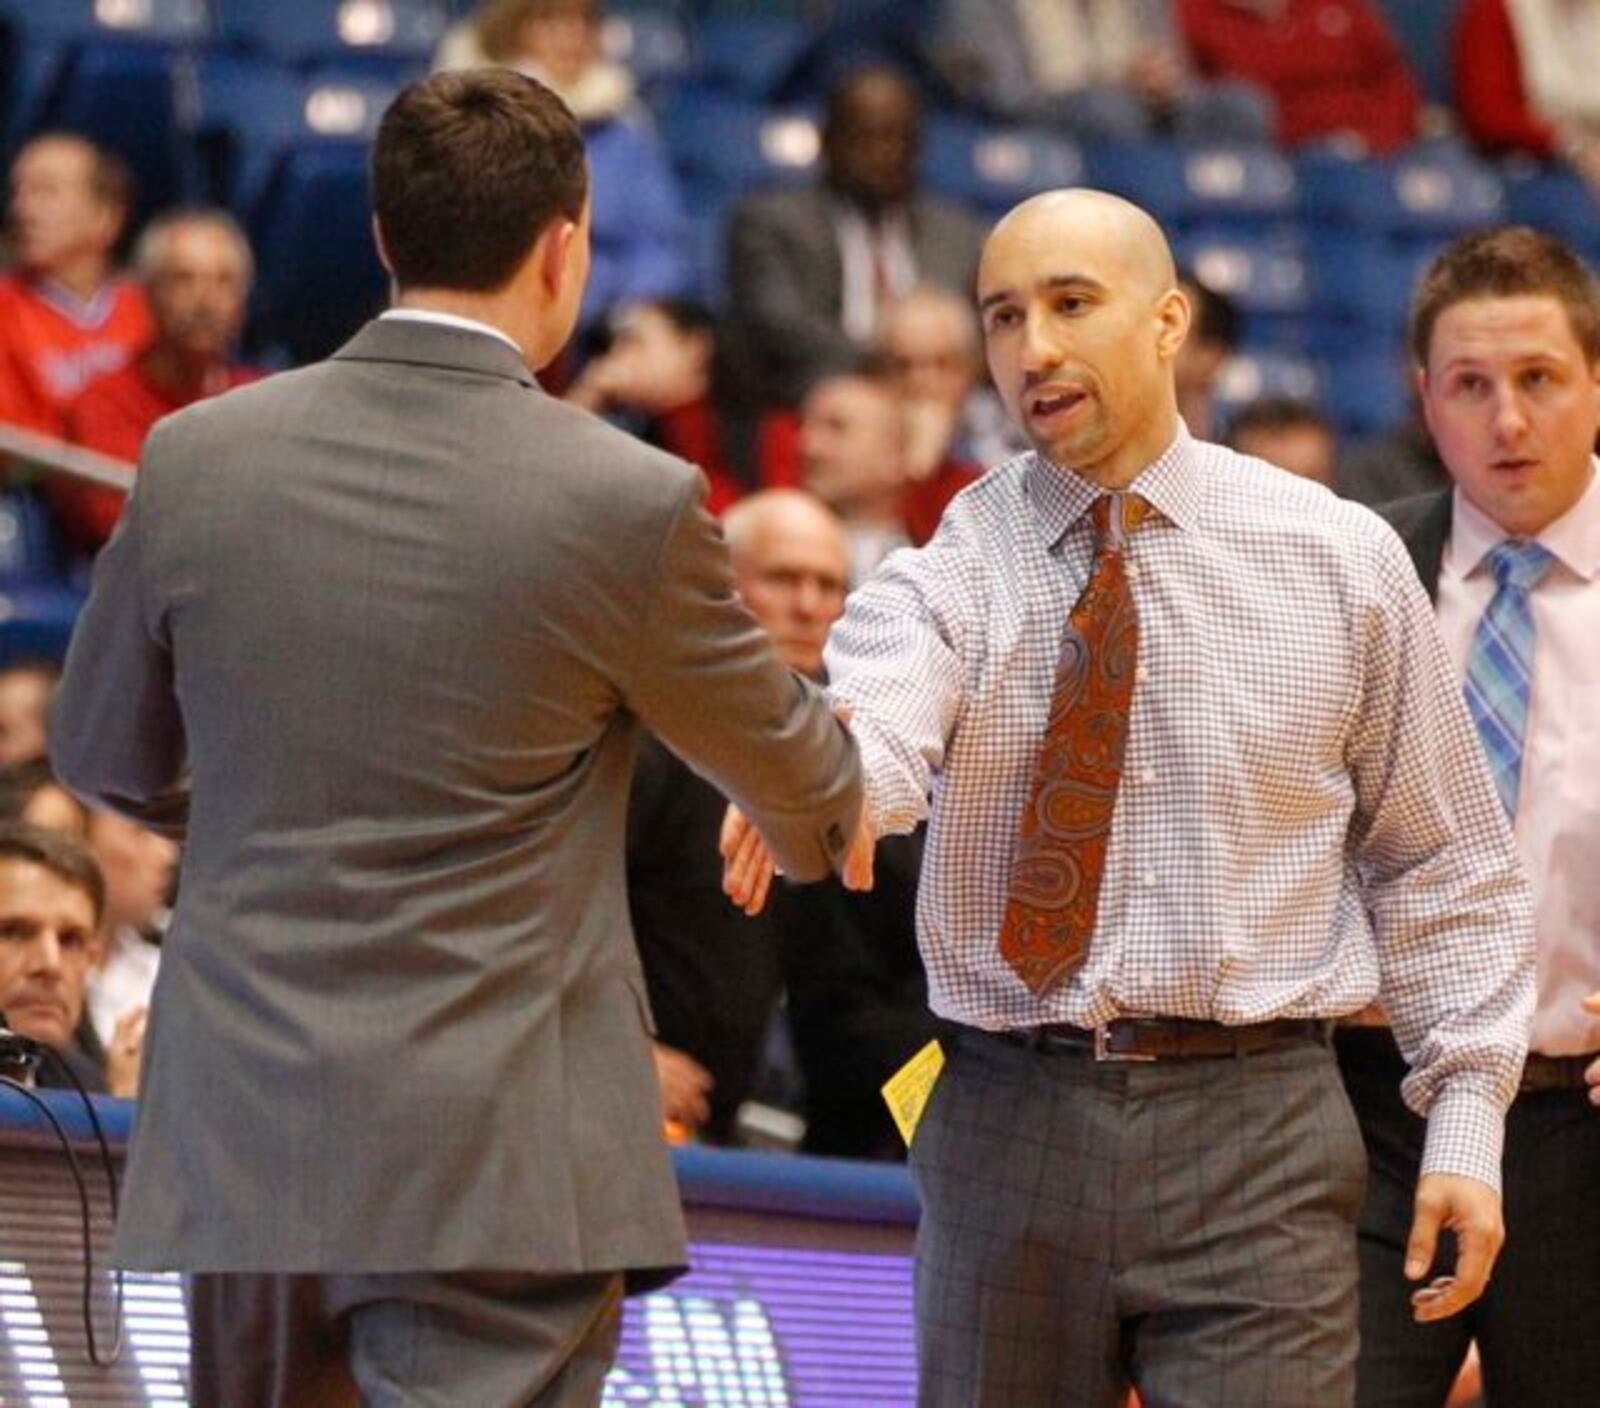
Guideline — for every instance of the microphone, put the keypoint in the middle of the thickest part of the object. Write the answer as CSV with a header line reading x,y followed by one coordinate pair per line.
x,y
16,1049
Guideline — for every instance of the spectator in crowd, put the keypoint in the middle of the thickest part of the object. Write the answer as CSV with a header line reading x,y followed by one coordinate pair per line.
x,y
30,792
1333,68
810,270
640,232
51,897
196,268
665,373
930,348
25,689
853,458
1291,434
65,316
1524,74
1506,340
1213,338
1102,69
139,867
712,971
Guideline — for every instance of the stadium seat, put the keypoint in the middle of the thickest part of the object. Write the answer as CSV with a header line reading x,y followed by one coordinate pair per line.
x,y
1363,280
1249,376
1429,193
1252,188
319,275
653,45
382,32
749,54
992,168
721,145
127,95
1266,275
77,21
1367,389
1554,198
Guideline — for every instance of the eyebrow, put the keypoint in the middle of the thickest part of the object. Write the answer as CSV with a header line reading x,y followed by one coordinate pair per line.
x,y
1053,281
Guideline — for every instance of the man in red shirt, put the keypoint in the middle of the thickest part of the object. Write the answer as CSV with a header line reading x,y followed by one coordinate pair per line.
x,y
196,269
64,317
1333,67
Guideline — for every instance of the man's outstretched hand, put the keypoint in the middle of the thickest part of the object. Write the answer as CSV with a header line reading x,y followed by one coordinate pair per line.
x,y
748,867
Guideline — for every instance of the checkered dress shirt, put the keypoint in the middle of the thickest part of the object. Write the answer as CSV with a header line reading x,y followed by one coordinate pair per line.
x,y
1305,819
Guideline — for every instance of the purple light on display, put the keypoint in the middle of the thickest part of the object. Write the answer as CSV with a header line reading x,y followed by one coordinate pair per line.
x,y
772,1327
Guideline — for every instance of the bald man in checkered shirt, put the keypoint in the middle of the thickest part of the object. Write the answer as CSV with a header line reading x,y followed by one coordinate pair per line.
x,y
1148,1172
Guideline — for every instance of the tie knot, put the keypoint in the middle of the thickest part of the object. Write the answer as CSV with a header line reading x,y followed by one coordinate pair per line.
x,y
1519,563
1117,516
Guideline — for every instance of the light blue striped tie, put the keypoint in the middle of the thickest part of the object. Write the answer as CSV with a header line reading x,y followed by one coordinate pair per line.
x,y
1500,670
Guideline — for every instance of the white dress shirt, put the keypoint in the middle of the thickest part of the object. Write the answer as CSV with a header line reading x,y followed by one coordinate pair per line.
x,y
123,982
446,320
1558,803
1305,815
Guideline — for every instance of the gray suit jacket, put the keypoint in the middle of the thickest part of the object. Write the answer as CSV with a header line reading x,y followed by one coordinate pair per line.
x,y
373,637
786,279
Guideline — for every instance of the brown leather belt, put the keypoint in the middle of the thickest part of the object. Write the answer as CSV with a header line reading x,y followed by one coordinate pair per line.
x,y
1167,1038
1555,1072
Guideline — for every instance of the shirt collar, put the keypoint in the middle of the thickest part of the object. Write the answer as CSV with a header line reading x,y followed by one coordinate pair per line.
x,y
449,320
1573,539
1171,482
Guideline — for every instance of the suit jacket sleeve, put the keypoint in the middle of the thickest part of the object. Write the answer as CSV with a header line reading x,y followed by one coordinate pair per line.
x,y
706,681
116,734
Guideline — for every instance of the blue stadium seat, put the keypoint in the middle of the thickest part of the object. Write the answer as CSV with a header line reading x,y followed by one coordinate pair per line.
x,y
127,95
1555,198
1432,192
30,552
750,54
1249,187
1261,275
383,32
1249,376
76,21
1424,29
250,109
653,45
1362,281
1367,388
992,168
721,145
319,274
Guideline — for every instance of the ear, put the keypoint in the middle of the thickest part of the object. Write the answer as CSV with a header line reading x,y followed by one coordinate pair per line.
x,y
1173,316
382,248
553,250
1421,384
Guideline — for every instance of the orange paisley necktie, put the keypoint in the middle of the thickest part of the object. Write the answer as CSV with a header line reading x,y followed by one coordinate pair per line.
x,y
1061,847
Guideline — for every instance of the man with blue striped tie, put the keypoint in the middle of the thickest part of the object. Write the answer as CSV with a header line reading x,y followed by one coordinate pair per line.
x,y
1506,336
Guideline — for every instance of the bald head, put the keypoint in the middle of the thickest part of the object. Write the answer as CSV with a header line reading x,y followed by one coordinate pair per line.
x,y
791,566
1082,318
930,345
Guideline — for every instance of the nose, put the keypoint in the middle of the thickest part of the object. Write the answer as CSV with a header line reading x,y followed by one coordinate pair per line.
x,y
1510,417
44,955
1040,351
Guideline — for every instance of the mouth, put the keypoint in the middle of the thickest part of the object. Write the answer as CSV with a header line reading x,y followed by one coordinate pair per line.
x,y
1051,404
1513,465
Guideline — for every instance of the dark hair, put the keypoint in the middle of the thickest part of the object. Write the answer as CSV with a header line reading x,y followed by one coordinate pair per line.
x,y
1216,316
65,857
22,782
1514,261
1276,413
468,170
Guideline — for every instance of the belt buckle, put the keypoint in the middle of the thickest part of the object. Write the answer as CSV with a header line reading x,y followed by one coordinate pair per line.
x,y
1103,1051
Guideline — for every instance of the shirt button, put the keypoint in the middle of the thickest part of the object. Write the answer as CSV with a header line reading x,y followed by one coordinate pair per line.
x,y
1132,571
1140,674
1147,775
1148,879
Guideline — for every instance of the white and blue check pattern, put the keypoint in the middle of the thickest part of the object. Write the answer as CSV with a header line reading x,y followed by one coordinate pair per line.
x,y
1500,668
1305,816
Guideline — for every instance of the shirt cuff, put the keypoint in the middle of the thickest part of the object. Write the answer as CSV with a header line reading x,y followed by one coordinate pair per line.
x,y
1466,1134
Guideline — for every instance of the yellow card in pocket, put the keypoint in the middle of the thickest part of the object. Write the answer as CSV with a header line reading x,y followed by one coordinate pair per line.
x,y
906,1092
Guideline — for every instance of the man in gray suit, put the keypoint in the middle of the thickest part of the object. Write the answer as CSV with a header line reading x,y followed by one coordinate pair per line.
x,y
374,638
810,269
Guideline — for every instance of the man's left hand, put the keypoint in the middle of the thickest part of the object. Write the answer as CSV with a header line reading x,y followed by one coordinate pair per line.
x,y
1471,1210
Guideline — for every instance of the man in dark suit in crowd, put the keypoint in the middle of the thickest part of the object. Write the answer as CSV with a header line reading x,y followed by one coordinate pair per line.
x,y
1506,336
713,972
811,269
375,636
